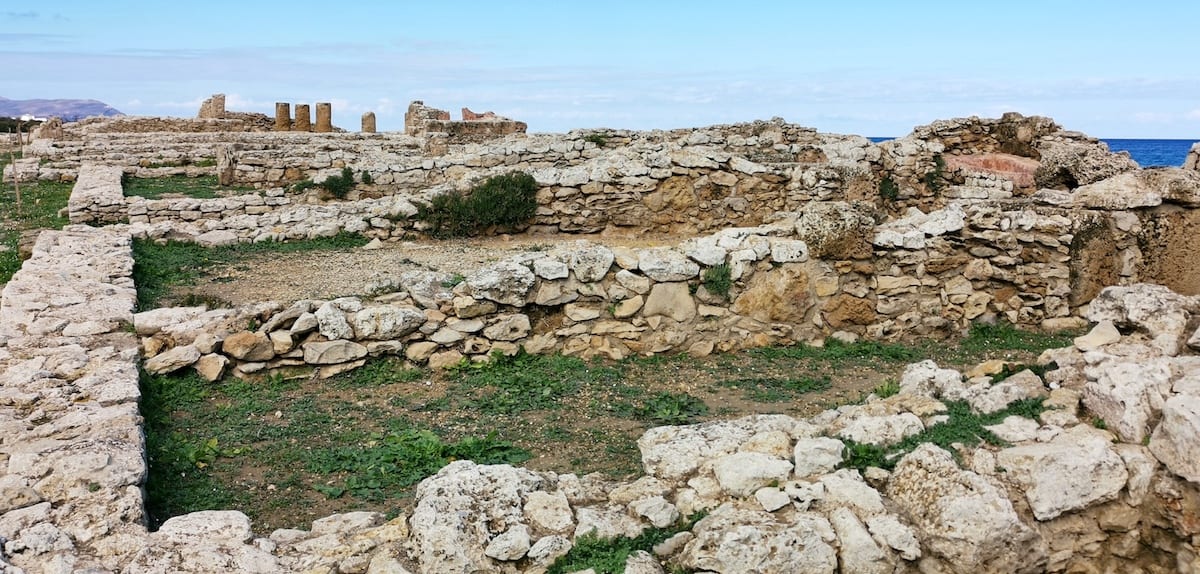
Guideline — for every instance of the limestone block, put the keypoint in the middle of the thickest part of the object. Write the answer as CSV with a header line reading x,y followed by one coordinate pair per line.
x,y
670,300
248,346
663,264
332,352
1176,440
1077,469
172,360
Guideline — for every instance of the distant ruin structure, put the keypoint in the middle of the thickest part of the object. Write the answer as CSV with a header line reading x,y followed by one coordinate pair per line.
x,y
303,119
420,120
283,117
213,108
368,122
324,117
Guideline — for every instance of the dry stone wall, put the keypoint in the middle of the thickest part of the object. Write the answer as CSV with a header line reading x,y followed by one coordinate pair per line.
x,y
1060,496
804,261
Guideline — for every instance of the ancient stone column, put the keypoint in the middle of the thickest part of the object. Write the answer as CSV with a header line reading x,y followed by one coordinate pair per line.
x,y
368,123
303,119
283,116
324,117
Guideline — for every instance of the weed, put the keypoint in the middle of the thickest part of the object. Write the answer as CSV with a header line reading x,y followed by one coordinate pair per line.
x,y
599,139
339,185
377,373
718,279
671,409
506,201
366,178
962,427
453,281
521,383
402,458
608,555
205,162
888,190
887,388
1099,423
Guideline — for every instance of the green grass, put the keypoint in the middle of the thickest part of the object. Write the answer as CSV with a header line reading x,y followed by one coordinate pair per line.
x,y
203,187
837,352
40,204
513,385
963,427
160,267
667,408
608,555
983,338
386,463
777,389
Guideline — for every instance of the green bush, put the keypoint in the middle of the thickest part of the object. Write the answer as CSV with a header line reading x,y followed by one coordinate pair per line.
x,y
366,177
339,185
599,139
505,201
888,189
718,279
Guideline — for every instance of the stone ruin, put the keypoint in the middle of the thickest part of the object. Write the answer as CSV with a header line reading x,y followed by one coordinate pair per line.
x,y
1019,220
422,120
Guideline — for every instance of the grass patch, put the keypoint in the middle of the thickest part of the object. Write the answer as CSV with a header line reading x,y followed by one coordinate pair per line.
x,y
963,427
777,389
667,408
203,187
40,203
608,555
1003,336
388,462
837,352
158,267
513,385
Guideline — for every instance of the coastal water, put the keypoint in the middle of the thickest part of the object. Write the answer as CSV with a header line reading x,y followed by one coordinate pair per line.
x,y
1146,153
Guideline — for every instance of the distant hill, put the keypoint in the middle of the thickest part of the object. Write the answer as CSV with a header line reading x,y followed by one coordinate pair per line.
x,y
68,110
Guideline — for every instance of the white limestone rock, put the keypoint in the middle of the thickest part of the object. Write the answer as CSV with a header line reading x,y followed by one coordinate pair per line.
x,y
512,544
1127,395
150,322
548,511
172,360
664,264
332,323
857,550
456,509
964,519
386,322
734,540
881,430
674,453
818,455
332,352
672,300
1176,440
1153,309
511,327
590,261
506,283
656,510
1077,469
742,473
429,289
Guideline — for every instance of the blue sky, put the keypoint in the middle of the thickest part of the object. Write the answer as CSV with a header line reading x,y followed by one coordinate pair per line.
x,y
1107,68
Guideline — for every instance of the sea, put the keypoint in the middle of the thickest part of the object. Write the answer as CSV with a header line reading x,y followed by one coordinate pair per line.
x,y
1147,153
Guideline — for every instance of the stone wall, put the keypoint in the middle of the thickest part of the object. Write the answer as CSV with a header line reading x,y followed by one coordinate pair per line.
x,y
1060,496
421,120
98,197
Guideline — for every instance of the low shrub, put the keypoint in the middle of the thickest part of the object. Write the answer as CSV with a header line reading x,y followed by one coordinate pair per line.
x,y
505,201
888,189
339,185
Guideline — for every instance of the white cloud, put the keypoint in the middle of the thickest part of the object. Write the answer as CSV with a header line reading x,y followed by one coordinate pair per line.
x,y
1193,115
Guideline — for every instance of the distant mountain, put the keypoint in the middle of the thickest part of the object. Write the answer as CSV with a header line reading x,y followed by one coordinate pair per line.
x,y
66,109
